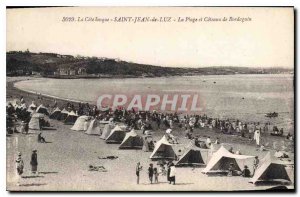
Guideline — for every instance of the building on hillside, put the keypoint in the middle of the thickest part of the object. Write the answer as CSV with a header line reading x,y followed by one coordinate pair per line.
x,y
66,71
63,71
35,73
72,72
82,71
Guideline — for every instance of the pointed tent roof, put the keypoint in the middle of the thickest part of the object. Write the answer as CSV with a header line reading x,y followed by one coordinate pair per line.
x,y
56,114
56,109
167,149
41,106
79,124
192,156
72,113
24,106
132,140
106,131
117,128
42,109
64,111
93,128
270,171
32,105
116,135
223,153
71,118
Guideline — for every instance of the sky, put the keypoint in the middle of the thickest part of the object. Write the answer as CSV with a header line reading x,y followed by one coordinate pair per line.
x,y
265,41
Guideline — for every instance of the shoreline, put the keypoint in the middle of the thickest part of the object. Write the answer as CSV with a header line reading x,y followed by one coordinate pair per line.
x,y
61,103
64,140
14,92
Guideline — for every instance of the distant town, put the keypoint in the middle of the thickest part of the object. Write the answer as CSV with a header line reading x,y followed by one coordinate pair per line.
x,y
26,63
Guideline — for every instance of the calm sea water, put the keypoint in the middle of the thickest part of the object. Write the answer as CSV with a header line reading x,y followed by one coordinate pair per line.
x,y
243,97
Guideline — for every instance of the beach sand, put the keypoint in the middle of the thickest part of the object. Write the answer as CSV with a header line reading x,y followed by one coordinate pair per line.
x,y
64,162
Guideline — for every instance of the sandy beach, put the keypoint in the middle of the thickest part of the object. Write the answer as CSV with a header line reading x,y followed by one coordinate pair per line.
x,y
64,161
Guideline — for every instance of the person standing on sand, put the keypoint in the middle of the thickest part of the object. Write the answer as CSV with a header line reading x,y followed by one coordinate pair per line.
x,y
19,166
168,171
26,128
155,172
150,172
34,162
246,172
257,136
137,171
172,173
22,127
145,147
85,125
255,164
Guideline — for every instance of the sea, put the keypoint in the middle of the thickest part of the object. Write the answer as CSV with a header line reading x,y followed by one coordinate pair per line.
x,y
244,97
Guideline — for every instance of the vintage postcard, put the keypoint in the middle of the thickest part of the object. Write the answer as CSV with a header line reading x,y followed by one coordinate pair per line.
x,y
150,99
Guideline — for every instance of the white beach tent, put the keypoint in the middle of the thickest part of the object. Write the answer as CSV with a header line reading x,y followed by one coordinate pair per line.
x,y
55,114
34,122
107,130
117,135
32,106
63,114
15,103
132,141
163,150
270,172
221,160
71,118
193,156
42,109
79,124
94,128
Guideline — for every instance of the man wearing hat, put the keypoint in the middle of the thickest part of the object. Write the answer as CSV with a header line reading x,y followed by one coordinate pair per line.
x,y
34,162
246,172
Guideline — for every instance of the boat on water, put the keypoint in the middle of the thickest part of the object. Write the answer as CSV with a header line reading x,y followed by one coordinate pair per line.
x,y
272,115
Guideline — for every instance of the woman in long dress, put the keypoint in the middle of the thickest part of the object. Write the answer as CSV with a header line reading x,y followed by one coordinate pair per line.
x,y
172,174
34,162
145,144
257,137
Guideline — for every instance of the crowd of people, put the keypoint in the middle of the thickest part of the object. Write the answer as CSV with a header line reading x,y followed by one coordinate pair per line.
x,y
153,120
169,172
145,121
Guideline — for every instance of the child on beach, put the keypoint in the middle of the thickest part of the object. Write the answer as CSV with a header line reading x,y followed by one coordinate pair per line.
x,y
163,171
137,171
150,172
155,172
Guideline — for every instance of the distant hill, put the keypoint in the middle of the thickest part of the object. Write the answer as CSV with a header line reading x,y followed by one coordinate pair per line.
x,y
49,64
